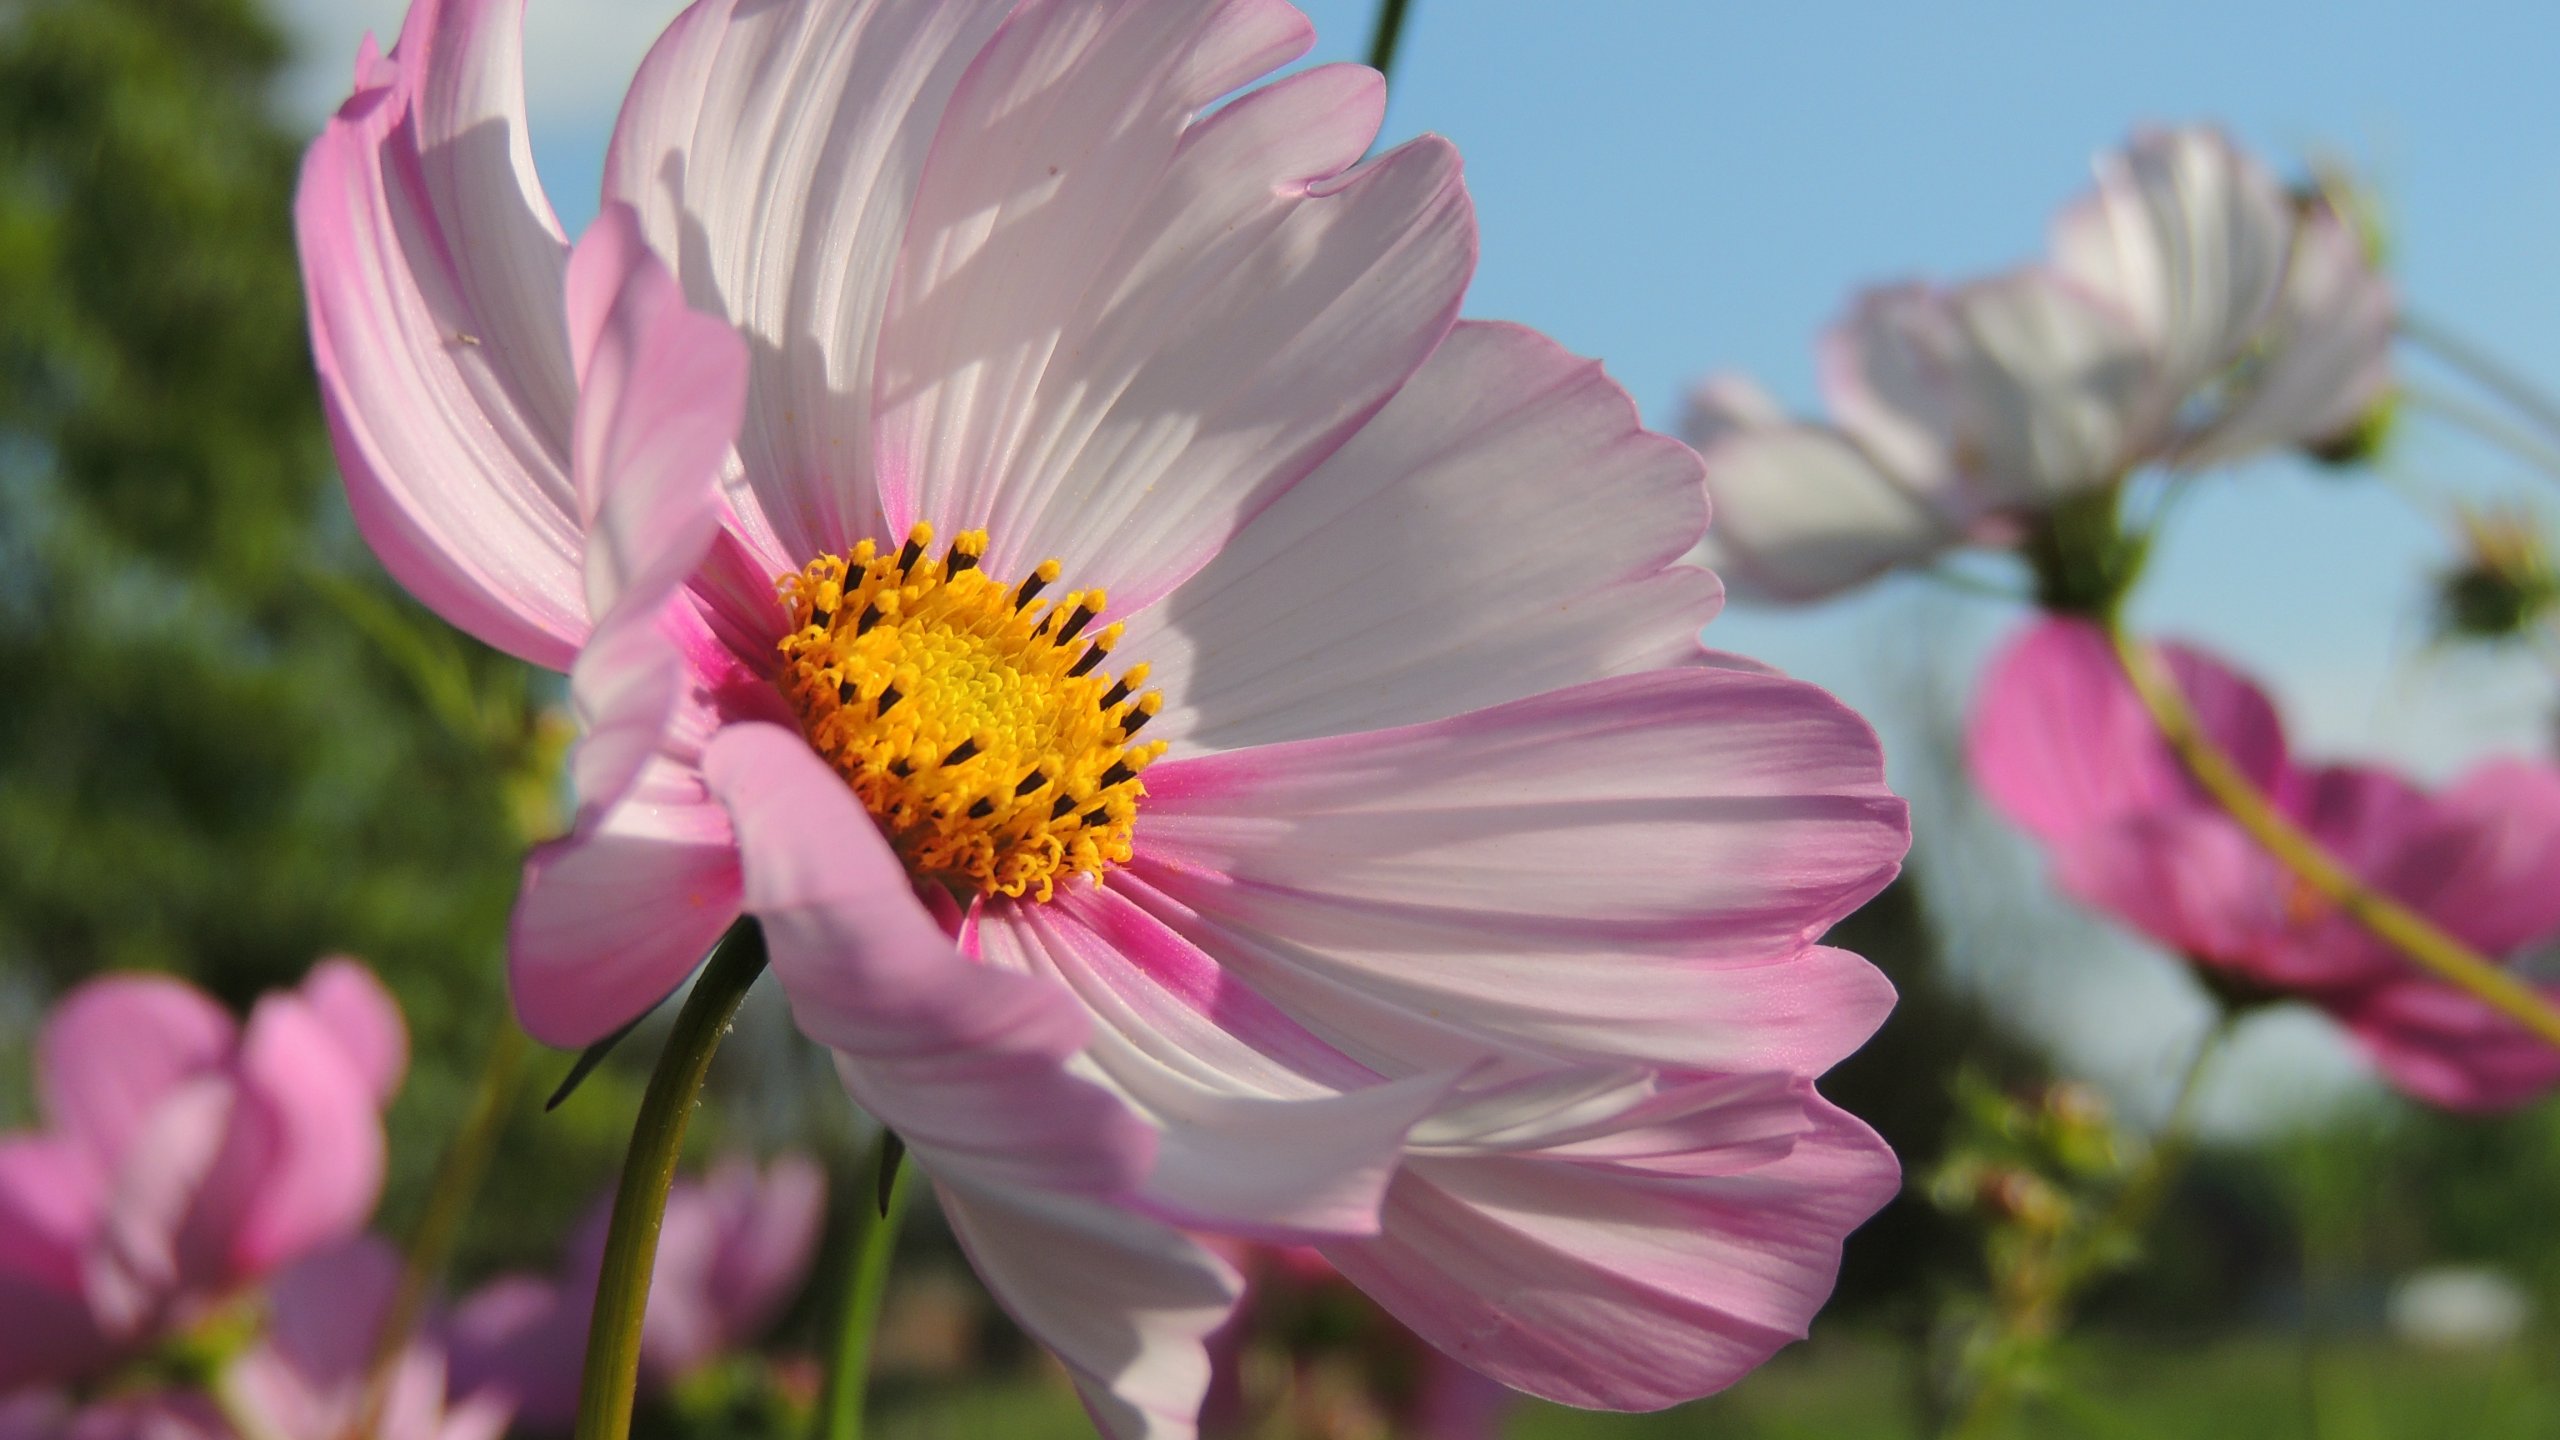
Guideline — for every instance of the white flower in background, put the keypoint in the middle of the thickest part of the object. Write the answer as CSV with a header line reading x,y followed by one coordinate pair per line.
x,y
2191,313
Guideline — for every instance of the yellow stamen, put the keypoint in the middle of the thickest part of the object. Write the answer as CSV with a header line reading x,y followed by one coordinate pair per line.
x,y
975,723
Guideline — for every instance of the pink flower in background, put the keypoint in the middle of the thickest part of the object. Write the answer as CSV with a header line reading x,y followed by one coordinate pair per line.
x,y
2062,746
1299,1311
735,1248
184,1156
157,1415
308,1375
1454,911
2191,313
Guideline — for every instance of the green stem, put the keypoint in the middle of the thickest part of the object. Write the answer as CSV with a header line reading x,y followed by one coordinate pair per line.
x,y
2049,1307
875,1234
2492,374
2485,424
459,1172
1382,41
2386,919
606,1394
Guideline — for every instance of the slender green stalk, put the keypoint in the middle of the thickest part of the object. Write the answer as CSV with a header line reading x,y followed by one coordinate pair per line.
x,y
605,1394
2046,1311
2485,424
2386,919
875,1234
459,1172
2492,374
1382,41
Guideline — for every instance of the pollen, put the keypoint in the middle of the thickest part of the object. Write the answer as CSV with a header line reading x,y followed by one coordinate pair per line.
x,y
975,720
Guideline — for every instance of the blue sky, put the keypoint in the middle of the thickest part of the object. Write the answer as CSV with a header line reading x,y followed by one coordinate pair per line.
x,y
1677,187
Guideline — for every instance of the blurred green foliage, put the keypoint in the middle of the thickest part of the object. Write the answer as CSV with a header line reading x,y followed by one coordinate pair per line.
x,y
228,744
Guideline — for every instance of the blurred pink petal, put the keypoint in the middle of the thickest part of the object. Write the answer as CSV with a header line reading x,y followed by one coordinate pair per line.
x,y
307,1377
2189,312
114,1047
2061,745
2189,236
189,1159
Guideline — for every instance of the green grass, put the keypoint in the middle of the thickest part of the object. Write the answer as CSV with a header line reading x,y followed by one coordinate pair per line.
x,y
1856,1386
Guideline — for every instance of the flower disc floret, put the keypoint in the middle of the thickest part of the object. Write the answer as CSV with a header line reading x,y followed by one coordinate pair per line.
x,y
973,719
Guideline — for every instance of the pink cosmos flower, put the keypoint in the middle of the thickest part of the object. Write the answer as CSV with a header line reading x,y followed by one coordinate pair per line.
x,y
183,1157
735,1248
308,1375
1454,911
2062,746
2190,313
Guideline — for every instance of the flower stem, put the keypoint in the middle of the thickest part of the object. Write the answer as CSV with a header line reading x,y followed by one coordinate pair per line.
x,y
875,1233
2487,425
2389,921
605,1395
2042,1313
2489,372
1382,41
459,1172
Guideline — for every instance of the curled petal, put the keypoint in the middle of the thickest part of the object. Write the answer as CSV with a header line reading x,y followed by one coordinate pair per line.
x,y
434,274
660,392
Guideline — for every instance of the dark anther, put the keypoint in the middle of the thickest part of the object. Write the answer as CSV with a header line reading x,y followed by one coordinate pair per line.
x,y
961,751
1096,816
821,618
889,696
981,810
900,768
1118,693
869,617
1077,619
962,560
845,692
1092,657
1031,585
1031,782
1117,774
913,552
1136,722
1063,804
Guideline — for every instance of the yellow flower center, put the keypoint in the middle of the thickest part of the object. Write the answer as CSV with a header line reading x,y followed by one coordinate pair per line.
x,y
974,721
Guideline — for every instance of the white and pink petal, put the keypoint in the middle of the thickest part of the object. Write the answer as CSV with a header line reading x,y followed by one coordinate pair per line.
x,y
1119,328
1431,565
434,273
